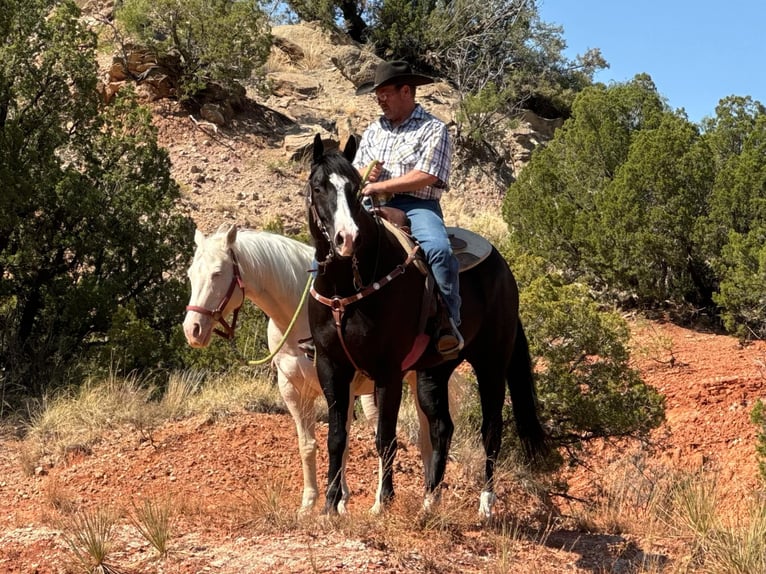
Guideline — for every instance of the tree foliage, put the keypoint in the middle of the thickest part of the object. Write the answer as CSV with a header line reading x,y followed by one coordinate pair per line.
x,y
644,206
218,41
734,230
586,387
355,14
88,230
614,199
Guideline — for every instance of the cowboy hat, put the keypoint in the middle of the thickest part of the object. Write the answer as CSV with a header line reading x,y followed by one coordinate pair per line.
x,y
388,73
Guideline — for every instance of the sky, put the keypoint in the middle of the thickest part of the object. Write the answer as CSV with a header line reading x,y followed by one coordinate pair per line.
x,y
696,52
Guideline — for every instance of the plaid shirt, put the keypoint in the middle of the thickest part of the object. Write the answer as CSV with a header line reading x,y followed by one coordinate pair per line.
x,y
421,142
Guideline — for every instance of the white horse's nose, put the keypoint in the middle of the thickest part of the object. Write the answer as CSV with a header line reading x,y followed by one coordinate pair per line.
x,y
193,330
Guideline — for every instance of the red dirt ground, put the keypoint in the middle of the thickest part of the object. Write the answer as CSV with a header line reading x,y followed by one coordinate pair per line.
x,y
216,471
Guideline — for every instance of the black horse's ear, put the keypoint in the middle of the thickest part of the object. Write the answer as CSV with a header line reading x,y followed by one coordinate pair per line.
x,y
318,148
351,146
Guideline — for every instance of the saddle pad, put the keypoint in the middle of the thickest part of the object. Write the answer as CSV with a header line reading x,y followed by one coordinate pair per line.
x,y
469,247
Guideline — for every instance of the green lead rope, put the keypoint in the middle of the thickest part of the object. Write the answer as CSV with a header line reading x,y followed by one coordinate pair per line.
x,y
284,337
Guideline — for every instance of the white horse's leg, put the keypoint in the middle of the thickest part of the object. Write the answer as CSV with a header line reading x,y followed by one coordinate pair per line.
x,y
301,407
424,439
486,503
371,414
370,410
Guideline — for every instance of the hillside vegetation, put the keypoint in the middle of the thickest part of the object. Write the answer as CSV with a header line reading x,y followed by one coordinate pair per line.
x,y
605,202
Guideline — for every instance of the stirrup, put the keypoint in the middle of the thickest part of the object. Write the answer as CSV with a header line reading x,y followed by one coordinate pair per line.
x,y
450,341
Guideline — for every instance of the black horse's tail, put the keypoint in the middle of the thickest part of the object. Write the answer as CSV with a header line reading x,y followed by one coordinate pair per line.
x,y
521,385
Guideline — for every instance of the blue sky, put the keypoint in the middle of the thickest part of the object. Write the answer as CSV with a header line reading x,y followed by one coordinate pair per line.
x,y
697,52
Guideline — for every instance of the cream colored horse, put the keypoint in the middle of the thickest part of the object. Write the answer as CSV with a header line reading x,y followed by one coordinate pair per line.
x,y
271,270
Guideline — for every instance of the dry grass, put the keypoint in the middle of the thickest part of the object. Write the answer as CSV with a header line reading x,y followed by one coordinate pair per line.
x,y
154,521
661,505
265,508
72,421
650,503
89,535
719,543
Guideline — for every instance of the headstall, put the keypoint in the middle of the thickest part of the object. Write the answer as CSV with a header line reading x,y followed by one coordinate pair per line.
x,y
227,331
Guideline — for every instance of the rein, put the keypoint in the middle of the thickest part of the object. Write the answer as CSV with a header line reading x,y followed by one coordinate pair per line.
x,y
217,313
284,336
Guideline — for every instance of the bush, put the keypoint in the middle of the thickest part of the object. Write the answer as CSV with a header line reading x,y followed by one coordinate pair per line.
x,y
218,41
758,417
89,234
586,386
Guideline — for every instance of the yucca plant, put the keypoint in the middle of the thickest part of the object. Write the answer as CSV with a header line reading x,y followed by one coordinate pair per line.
x,y
88,533
154,521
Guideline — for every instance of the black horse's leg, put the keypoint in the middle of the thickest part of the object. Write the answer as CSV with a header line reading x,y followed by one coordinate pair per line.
x,y
336,385
389,397
433,396
492,382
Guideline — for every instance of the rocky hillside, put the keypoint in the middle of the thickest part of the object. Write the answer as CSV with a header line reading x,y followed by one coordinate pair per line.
x,y
243,162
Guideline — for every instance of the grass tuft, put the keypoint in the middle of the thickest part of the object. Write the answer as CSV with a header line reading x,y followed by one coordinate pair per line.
x,y
89,537
154,521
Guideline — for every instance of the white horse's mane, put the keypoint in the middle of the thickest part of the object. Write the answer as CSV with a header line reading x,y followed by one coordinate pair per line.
x,y
272,260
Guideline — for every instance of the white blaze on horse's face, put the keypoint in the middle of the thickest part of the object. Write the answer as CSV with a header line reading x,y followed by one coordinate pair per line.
x,y
345,227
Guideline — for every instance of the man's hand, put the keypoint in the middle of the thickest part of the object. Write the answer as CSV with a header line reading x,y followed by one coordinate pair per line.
x,y
372,188
371,175
373,170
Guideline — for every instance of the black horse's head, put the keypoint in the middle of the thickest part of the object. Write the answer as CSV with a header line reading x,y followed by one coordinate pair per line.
x,y
333,200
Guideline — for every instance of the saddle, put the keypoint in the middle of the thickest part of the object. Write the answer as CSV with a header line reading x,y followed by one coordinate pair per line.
x,y
469,247
470,250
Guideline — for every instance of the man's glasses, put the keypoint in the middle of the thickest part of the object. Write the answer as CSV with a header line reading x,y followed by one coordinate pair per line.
x,y
382,96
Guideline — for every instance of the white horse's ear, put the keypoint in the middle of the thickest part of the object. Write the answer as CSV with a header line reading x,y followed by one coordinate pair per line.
x,y
231,235
199,237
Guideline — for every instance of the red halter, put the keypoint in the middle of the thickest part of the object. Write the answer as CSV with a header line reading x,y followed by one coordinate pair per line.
x,y
217,314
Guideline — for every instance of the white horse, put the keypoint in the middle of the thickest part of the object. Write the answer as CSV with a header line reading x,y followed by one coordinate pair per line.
x,y
272,270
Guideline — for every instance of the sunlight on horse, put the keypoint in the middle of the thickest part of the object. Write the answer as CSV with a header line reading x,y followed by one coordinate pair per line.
x,y
365,314
271,270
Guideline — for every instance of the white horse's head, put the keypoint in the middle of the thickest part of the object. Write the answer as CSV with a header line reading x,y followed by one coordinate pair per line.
x,y
216,287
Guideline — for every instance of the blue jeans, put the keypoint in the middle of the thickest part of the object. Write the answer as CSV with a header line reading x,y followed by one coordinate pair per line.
x,y
427,223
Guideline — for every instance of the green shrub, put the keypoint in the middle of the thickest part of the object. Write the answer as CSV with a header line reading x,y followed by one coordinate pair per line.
x,y
218,41
585,385
758,417
89,232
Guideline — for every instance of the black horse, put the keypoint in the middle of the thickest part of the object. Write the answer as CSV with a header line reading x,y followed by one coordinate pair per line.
x,y
365,315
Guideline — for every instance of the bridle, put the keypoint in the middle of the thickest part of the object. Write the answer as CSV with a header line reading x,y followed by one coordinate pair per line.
x,y
320,226
338,304
227,332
